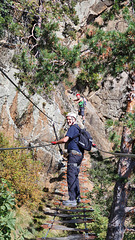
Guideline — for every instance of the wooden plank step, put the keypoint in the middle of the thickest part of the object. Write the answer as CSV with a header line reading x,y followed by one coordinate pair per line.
x,y
80,205
85,200
85,191
65,215
71,237
78,220
73,210
64,228
83,196
58,193
83,204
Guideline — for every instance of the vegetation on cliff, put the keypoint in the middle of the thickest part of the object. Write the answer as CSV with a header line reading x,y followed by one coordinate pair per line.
x,y
22,173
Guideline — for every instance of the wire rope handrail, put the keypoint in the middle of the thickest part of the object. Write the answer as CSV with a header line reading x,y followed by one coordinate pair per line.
x,y
28,147
121,154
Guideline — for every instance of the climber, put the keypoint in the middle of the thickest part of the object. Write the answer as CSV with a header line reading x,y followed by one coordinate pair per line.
x,y
81,103
75,156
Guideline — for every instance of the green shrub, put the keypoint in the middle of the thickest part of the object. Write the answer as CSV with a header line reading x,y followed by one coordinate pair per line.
x,y
129,236
7,204
22,172
99,226
84,79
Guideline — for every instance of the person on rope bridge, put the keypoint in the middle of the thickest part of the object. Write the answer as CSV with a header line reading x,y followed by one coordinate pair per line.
x,y
75,156
82,103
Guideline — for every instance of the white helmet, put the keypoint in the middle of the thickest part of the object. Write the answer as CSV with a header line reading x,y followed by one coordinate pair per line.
x,y
71,114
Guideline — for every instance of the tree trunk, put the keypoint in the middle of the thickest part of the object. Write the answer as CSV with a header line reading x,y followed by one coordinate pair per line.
x,y
117,217
116,226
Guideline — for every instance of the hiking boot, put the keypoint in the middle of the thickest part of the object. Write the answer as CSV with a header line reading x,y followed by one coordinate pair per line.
x,y
83,122
78,200
70,203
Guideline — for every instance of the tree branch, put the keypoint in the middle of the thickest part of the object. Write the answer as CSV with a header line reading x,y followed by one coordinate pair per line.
x,y
129,210
130,229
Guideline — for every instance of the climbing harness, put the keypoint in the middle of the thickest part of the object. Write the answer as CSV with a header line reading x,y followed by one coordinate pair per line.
x,y
75,152
74,164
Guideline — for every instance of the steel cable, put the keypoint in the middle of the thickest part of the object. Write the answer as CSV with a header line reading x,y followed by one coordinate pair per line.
x,y
28,147
118,154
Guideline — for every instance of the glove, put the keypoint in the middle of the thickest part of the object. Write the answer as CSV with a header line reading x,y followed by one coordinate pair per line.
x,y
53,143
94,145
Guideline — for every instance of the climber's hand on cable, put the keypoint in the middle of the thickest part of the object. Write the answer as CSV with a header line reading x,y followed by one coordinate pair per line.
x,y
53,143
94,145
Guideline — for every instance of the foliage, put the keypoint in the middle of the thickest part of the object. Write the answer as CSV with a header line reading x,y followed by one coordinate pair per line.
x,y
129,121
51,69
112,51
129,236
43,62
103,174
52,64
85,80
99,226
62,8
5,16
22,172
22,227
113,129
7,204
115,10
113,132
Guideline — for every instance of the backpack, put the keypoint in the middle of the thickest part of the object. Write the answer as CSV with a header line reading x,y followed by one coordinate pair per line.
x,y
85,139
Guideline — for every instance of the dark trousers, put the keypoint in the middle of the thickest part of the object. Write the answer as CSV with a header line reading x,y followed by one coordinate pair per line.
x,y
73,169
81,111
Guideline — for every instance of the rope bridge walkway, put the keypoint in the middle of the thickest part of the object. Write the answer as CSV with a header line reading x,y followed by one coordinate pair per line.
x,y
67,218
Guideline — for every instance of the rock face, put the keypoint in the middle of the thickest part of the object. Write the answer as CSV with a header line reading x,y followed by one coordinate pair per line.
x,y
111,98
88,10
19,119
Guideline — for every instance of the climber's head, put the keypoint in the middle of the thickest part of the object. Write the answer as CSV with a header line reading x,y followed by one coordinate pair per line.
x,y
71,118
78,95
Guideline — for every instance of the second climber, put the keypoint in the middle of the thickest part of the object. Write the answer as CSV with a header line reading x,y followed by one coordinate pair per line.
x,y
81,102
